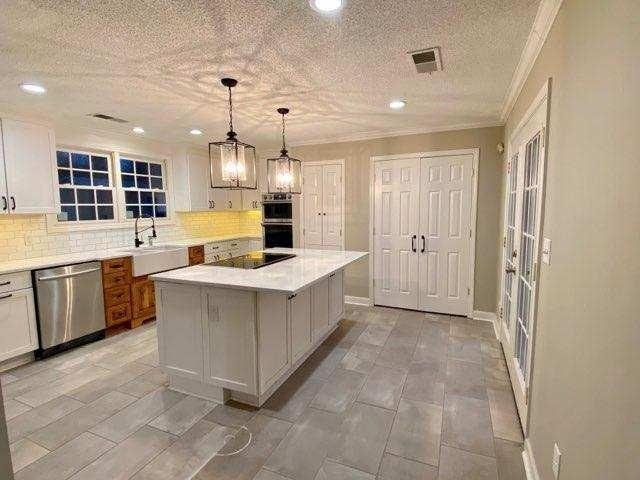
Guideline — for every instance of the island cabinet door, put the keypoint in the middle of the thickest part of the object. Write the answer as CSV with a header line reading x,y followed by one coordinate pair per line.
x,y
179,317
320,308
229,322
273,338
336,297
300,320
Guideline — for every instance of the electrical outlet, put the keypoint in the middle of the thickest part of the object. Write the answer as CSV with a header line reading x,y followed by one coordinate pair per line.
x,y
546,251
555,464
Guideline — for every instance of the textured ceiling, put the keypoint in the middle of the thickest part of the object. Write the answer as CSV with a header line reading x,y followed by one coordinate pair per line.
x,y
158,64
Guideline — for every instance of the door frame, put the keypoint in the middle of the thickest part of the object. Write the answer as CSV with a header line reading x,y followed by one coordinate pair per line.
x,y
472,219
342,219
543,98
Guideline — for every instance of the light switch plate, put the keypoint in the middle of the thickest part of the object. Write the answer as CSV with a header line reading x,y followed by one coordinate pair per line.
x,y
555,465
546,250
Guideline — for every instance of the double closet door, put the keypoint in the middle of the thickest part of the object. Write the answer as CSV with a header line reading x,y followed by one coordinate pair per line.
x,y
422,233
322,206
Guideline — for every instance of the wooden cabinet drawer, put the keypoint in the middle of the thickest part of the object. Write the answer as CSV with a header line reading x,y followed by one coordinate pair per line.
x,y
116,265
116,279
196,255
118,314
117,295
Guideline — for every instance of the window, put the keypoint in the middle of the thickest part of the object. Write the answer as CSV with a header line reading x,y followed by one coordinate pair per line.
x,y
85,186
144,188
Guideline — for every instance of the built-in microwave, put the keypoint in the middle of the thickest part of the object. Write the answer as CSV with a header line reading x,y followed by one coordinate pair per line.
x,y
277,208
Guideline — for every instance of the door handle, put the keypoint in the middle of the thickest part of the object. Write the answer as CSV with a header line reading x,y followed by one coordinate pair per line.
x,y
424,244
13,202
510,270
5,204
67,275
413,243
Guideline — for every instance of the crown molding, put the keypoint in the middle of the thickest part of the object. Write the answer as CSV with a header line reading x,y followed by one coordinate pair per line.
x,y
546,15
397,133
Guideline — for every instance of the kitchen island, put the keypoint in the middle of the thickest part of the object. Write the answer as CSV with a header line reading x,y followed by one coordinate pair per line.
x,y
234,333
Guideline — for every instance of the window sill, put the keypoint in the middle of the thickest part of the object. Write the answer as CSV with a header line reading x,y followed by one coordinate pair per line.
x,y
54,226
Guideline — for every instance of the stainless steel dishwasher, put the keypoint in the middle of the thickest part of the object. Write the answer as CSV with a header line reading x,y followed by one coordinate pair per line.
x,y
70,306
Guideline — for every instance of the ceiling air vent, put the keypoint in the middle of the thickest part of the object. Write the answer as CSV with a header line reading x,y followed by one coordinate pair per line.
x,y
102,116
428,60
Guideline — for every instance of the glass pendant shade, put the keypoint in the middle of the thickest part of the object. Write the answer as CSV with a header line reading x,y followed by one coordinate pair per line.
x,y
232,162
284,173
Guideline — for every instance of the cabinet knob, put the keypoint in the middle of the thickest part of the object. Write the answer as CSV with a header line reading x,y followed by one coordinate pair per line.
x,y
230,204
13,202
5,204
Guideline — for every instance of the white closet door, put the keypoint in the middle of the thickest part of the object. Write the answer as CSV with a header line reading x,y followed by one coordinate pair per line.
x,y
395,233
445,210
332,206
313,206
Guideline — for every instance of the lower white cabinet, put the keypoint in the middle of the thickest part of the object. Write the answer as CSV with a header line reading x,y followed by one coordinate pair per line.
x,y
320,308
300,319
336,297
18,333
273,338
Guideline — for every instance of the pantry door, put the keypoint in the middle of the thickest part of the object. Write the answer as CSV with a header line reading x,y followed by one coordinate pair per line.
x,y
445,240
312,206
332,206
395,232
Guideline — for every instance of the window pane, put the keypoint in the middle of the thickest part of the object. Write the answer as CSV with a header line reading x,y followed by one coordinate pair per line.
x,y
105,212
156,183
87,212
146,197
155,169
81,178
126,166
135,211
100,179
99,163
161,211
67,195
131,197
147,210
70,211
85,196
159,197
128,181
80,160
104,196
142,168
64,177
142,182
62,158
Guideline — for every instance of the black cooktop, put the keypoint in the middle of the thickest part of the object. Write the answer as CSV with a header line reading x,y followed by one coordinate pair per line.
x,y
252,260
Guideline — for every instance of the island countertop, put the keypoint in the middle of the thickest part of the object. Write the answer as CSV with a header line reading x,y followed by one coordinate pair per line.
x,y
288,276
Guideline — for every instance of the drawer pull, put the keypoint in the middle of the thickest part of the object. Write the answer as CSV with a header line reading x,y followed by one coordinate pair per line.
x,y
4,284
6,296
332,275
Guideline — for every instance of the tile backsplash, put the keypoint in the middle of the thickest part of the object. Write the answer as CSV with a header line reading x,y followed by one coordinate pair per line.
x,y
26,236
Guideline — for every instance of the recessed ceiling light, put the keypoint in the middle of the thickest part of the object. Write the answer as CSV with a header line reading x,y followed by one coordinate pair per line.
x,y
138,130
397,104
195,131
33,88
326,6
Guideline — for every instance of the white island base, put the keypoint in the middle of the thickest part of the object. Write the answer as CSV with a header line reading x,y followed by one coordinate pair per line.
x,y
222,343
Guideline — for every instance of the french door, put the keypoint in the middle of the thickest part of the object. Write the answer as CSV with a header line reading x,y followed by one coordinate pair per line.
x,y
422,222
521,245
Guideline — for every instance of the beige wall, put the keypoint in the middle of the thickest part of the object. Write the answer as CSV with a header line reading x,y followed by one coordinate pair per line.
x,y
357,160
585,390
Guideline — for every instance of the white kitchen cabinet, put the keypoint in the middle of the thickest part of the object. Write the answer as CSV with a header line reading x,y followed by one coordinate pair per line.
x,y
229,329
300,321
320,308
26,181
251,199
17,322
185,357
273,338
255,245
336,297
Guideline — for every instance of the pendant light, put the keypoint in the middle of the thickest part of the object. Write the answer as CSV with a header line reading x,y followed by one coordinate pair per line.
x,y
232,162
284,172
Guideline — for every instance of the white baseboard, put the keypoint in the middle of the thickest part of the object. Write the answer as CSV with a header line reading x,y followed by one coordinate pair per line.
x,y
363,301
529,462
484,316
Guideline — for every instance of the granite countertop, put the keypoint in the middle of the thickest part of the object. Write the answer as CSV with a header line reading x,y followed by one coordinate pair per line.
x,y
288,276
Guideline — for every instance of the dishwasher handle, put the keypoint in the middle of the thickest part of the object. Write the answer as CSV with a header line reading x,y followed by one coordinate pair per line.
x,y
67,275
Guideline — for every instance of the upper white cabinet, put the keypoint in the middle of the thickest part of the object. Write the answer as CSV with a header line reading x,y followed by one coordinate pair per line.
x,y
26,168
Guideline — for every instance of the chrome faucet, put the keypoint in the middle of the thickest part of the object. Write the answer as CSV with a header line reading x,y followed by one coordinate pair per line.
x,y
137,240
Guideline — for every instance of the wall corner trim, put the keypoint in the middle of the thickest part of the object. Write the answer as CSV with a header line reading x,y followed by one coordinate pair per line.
x,y
363,301
529,462
485,316
540,29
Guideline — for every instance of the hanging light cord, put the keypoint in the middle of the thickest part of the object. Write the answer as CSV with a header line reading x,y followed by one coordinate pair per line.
x,y
284,146
230,112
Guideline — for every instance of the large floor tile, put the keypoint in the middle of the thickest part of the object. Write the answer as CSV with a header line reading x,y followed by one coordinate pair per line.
x,y
40,417
339,391
398,468
183,415
293,396
265,474
383,387
396,355
13,408
323,362
375,335
362,437
465,379
335,471
67,460
504,416
425,381
509,459
460,465
97,388
231,414
125,459
24,452
42,377
416,432
467,349
467,425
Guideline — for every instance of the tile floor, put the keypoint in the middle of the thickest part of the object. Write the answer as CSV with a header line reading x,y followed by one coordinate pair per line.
x,y
391,395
